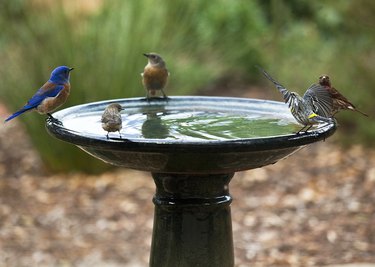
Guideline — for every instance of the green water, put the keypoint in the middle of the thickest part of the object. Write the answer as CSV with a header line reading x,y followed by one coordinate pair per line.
x,y
188,125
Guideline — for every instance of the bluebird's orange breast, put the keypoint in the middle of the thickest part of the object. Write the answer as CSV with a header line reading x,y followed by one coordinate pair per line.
x,y
51,103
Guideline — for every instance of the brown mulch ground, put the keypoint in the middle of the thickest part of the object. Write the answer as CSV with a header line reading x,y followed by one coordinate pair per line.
x,y
316,207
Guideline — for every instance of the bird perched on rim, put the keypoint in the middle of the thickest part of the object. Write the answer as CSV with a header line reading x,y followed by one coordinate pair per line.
x,y
50,96
339,101
111,119
304,109
155,75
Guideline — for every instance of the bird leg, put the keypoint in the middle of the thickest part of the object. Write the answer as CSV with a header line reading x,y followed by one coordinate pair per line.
x,y
164,95
148,96
300,130
305,131
308,128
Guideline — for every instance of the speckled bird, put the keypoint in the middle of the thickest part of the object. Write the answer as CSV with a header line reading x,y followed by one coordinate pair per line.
x,y
339,101
50,96
304,108
111,119
155,75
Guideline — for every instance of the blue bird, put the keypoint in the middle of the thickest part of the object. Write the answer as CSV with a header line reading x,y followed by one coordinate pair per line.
x,y
50,96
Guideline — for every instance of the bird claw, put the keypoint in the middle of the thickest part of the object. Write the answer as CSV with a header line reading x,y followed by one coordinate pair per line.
x,y
53,120
304,129
107,135
156,98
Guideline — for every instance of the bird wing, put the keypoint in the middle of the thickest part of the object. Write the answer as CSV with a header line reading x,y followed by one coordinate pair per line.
x,y
111,116
49,89
337,95
341,100
285,92
319,100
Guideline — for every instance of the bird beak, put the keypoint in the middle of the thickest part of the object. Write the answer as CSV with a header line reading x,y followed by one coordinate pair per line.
x,y
71,69
146,55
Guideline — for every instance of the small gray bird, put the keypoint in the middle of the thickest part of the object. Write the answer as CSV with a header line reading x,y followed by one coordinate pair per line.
x,y
313,108
155,75
111,119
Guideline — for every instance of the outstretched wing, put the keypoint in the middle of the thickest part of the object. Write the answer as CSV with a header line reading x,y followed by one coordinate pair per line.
x,y
285,92
319,100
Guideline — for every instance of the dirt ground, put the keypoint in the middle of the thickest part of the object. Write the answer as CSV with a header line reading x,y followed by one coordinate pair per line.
x,y
312,209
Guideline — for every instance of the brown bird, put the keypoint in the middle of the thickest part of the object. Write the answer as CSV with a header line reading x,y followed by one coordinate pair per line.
x,y
339,101
155,75
111,119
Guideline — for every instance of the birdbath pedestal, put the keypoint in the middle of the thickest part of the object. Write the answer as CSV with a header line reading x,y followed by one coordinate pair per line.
x,y
192,146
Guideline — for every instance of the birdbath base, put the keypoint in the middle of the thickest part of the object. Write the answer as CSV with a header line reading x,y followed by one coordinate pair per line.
x,y
192,223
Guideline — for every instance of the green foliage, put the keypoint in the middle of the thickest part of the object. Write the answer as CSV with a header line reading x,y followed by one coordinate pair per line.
x,y
201,41
105,47
355,68
328,37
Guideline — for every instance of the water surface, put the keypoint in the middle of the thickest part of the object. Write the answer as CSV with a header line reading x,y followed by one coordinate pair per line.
x,y
187,124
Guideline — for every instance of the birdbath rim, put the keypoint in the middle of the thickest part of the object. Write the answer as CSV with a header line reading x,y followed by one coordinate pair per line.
x,y
181,156
322,132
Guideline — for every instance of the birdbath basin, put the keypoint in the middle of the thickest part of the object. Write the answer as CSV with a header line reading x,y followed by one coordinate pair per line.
x,y
192,146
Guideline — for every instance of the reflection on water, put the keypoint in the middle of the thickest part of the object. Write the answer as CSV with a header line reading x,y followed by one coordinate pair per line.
x,y
154,127
187,125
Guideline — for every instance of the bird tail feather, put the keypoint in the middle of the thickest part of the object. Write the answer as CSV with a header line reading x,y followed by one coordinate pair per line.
x,y
17,114
364,114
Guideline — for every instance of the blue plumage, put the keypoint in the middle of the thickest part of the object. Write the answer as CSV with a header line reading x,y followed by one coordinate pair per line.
x,y
51,95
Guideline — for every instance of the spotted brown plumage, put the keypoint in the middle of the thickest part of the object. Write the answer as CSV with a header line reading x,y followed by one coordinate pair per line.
x,y
111,119
339,101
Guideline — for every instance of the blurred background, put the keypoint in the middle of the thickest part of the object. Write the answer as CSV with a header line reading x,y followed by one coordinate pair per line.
x,y
210,48
206,46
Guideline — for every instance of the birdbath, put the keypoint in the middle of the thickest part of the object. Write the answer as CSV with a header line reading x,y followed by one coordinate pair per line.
x,y
192,146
